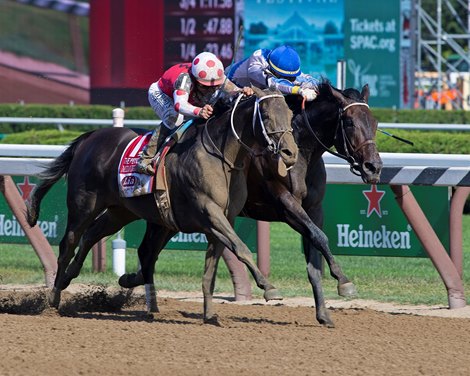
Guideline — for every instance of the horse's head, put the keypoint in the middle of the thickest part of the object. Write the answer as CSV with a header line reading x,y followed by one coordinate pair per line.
x,y
274,118
355,135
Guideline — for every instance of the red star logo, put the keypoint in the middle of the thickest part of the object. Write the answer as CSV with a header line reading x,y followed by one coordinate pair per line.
x,y
374,196
25,188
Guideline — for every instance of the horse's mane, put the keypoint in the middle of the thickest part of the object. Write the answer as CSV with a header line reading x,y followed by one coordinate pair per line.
x,y
352,93
224,104
325,91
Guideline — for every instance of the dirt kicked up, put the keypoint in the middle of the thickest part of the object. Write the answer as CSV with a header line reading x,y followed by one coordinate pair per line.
x,y
106,332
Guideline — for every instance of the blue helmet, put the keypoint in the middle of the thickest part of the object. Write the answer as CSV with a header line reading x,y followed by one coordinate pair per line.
x,y
285,61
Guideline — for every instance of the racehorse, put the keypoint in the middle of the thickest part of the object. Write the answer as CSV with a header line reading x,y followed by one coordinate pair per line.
x,y
204,174
336,118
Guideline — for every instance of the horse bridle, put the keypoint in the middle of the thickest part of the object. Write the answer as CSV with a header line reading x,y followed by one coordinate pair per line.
x,y
272,146
354,166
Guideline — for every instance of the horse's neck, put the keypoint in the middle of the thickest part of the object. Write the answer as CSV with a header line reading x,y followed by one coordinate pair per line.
x,y
226,140
324,122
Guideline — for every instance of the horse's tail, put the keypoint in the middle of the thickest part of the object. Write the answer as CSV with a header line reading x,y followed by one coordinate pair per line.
x,y
58,168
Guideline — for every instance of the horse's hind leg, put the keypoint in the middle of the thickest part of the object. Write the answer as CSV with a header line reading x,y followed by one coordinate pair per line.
x,y
108,223
77,222
154,240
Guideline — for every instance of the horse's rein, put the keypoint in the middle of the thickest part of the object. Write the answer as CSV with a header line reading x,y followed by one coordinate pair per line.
x,y
271,144
348,157
256,111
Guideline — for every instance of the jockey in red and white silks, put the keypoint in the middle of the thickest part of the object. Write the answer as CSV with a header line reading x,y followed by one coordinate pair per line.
x,y
183,91
279,68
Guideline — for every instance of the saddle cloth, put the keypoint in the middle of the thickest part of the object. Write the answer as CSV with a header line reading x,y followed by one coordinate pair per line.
x,y
132,183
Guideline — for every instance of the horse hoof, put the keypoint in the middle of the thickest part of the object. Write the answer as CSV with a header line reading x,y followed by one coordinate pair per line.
x,y
130,280
347,290
213,320
153,309
53,298
327,323
272,294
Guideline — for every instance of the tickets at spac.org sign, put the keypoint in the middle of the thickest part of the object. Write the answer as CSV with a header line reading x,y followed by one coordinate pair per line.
x,y
365,220
53,219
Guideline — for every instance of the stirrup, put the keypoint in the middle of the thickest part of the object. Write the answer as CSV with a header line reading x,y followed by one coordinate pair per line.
x,y
145,168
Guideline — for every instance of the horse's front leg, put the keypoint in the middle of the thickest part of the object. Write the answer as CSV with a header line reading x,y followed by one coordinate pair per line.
x,y
213,253
345,287
315,278
223,231
297,218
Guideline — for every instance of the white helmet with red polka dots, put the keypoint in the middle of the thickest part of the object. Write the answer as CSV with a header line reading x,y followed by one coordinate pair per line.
x,y
207,69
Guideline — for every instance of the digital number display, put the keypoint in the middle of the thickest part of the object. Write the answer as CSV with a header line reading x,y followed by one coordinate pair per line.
x,y
194,26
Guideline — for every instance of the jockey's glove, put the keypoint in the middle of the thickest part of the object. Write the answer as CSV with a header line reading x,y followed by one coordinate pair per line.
x,y
308,94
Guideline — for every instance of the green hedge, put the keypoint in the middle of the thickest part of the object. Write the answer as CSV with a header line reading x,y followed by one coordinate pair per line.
x,y
432,142
424,141
64,111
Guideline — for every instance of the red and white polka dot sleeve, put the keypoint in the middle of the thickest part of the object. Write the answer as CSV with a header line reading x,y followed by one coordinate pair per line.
x,y
182,106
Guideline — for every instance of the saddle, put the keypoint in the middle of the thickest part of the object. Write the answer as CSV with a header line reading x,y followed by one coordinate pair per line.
x,y
133,183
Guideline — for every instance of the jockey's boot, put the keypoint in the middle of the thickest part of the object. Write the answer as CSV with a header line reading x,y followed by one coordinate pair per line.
x,y
145,165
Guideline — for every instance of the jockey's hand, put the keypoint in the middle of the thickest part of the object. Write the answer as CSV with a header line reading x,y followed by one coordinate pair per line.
x,y
206,111
308,94
247,91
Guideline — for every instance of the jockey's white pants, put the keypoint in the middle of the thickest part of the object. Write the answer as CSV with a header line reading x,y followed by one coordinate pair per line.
x,y
163,107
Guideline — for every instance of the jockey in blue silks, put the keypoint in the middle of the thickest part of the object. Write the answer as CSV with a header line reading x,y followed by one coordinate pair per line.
x,y
278,68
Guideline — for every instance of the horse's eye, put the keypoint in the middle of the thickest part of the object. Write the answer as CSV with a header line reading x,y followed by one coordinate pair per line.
x,y
348,123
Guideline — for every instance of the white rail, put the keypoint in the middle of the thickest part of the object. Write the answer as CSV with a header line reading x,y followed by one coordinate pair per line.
x,y
399,168
153,123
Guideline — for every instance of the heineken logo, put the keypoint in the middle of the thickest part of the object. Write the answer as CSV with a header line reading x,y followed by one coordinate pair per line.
x,y
381,239
182,237
25,188
9,226
374,197
373,232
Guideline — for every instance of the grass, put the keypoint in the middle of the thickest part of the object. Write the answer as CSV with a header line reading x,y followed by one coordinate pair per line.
x,y
402,280
38,33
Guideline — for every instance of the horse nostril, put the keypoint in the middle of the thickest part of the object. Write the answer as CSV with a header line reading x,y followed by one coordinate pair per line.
x,y
287,152
373,167
289,157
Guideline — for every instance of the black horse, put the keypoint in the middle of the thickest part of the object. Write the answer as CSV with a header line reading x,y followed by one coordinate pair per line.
x,y
336,118
205,178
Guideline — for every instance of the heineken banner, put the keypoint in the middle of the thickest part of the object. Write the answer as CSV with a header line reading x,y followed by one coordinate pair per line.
x,y
359,220
365,220
53,218
244,227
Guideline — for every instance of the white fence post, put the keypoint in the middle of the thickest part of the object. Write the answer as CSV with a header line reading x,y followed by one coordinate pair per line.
x,y
341,74
118,117
119,244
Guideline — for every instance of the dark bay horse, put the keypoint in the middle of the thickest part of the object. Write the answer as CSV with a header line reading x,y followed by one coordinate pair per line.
x,y
206,181
336,118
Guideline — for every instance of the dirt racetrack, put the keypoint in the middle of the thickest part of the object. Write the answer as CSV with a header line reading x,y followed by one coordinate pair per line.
x,y
105,332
